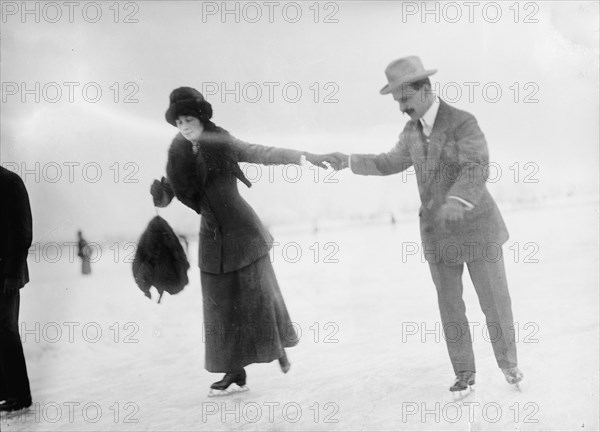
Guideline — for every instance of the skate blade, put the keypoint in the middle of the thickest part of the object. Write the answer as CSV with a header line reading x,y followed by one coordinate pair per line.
x,y
462,394
234,388
517,386
8,415
515,382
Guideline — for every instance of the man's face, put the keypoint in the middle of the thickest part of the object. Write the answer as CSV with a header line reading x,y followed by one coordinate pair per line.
x,y
413,102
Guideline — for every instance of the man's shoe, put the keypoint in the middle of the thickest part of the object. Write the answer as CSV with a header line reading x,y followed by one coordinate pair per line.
x,y
13,404
463,380
513,375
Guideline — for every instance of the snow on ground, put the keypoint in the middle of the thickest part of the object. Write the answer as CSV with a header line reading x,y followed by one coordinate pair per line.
x,y
371,354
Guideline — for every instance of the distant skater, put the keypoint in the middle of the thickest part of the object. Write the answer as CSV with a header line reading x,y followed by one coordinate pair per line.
x,y
83,252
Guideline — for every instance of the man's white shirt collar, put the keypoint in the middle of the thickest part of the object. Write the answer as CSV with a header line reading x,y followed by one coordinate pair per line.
x,y
428,118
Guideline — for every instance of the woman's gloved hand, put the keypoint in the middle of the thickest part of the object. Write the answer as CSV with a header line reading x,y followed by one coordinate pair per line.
x,y
160,193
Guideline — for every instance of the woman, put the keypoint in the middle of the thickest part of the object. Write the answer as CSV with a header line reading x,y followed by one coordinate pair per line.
x,y
245,318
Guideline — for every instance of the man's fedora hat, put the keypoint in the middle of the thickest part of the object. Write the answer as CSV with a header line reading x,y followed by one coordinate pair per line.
x,y
403,71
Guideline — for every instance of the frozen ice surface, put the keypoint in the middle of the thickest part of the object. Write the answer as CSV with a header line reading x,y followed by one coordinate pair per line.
x,y
103,357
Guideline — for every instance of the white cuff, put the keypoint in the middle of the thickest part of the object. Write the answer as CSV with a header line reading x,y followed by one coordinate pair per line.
x,y
462,201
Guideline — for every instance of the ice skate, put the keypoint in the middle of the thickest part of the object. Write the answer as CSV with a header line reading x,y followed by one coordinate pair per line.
x,y
12,405
513,375
225,388
463,384
15,414
12,408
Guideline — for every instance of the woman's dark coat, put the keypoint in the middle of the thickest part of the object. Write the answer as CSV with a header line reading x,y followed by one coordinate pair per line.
x,y
231,234
245,317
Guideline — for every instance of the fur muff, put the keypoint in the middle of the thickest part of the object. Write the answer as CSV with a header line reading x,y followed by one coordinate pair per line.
x,y
160,260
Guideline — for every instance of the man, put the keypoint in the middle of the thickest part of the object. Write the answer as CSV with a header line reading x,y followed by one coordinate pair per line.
x,y
15,240
460,222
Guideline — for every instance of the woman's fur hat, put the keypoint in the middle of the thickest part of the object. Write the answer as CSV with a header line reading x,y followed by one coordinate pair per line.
x,y
187,101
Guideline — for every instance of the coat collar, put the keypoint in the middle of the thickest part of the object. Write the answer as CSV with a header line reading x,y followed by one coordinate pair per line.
x,y
442,119
428,119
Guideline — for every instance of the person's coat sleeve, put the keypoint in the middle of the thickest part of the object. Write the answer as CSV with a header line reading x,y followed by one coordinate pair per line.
x,y
264,155
394,161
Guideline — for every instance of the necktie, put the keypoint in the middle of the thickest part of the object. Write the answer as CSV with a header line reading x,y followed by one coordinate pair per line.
x,y
423,137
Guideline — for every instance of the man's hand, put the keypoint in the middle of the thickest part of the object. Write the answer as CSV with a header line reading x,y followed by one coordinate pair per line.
x,y
337,160
11,286
450,214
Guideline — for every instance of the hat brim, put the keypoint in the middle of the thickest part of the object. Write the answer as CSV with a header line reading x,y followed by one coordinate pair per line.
x,y
390,87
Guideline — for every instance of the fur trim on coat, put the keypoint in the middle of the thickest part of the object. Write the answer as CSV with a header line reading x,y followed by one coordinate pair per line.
x,y
189,174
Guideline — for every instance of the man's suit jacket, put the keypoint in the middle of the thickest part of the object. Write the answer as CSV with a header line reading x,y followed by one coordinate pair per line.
x,y
15,227
455,163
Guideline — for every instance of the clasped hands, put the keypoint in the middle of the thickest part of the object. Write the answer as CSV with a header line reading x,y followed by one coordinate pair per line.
x,y
336,160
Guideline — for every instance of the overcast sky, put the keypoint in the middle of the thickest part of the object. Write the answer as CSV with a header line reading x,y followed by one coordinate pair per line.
x,y
551,62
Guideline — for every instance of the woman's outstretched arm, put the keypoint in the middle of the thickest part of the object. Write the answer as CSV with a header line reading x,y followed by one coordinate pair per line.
x,y
267,155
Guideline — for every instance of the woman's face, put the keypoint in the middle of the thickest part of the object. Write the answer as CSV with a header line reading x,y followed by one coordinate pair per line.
x,y
190,127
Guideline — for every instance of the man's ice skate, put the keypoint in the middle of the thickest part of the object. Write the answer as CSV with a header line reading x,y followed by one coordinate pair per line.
x,y
225,387
463,384
513,375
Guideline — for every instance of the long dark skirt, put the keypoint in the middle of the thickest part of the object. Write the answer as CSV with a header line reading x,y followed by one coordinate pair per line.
x,y
245,318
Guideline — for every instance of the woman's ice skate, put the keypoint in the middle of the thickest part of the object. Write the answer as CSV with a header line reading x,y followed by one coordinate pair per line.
x,y
224,387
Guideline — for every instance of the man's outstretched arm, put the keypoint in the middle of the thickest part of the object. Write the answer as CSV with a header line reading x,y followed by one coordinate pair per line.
x,y
396,160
